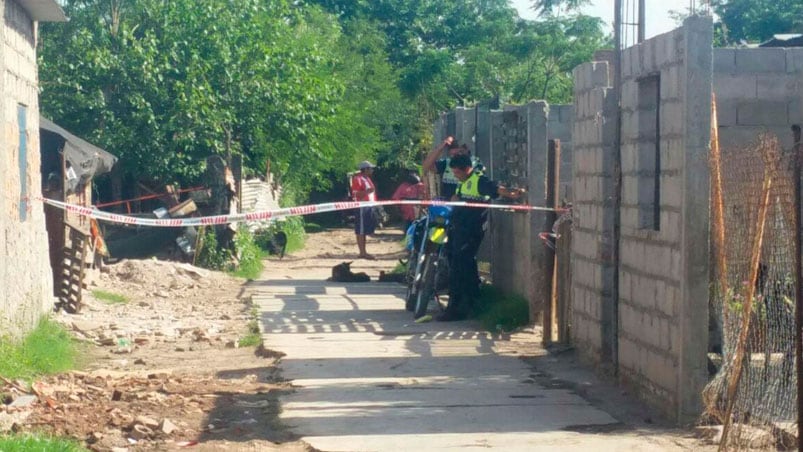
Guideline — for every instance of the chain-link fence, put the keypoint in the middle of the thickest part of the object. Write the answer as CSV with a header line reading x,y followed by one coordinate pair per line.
x,y
753,392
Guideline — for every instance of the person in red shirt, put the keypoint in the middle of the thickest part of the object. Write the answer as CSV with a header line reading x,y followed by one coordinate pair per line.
x,y
411,189
363,189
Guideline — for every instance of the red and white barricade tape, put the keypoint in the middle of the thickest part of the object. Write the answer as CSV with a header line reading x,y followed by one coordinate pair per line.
x,y
272,214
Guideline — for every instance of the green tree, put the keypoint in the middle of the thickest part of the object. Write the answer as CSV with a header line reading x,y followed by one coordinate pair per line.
x,y
555,7
311,86
548,52
165,84
757,20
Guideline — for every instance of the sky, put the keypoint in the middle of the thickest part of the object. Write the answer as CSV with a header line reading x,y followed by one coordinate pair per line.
x,y
657,20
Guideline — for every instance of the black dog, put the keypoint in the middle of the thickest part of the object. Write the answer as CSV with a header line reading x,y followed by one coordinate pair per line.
x,y
278,243
342,273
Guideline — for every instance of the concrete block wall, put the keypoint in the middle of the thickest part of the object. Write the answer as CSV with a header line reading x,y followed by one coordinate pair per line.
x,y
757,90
661,304
561,118
647,314
513,144
510,268
593,138
649,274
26,287
464,130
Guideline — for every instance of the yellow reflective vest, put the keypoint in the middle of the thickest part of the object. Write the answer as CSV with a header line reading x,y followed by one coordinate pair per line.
x,y
469,189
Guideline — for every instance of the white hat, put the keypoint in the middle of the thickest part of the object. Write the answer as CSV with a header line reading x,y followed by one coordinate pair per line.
x,y
365,164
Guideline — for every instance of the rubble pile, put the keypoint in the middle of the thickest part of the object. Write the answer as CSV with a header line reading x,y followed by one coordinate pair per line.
x,y
161,371
114,411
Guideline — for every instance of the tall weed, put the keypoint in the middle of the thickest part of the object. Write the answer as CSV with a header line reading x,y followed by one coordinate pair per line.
x,y
48,349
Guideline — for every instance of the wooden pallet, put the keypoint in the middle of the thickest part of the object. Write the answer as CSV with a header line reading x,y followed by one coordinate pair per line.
x,y
72,270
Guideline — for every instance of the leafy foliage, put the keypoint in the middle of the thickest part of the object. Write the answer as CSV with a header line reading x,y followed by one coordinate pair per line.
x,y
462,52
757,20
249,255
555,7
210,255
165,84
310,86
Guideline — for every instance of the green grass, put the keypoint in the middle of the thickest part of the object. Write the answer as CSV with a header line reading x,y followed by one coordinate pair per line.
x,y
253,338
38,443
109,297
48,349
312,227
501,312
399,268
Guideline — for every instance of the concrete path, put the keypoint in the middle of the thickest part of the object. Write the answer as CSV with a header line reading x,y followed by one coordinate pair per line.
x,y
370,379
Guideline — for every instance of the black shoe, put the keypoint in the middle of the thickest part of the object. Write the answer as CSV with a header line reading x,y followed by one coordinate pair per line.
x,y
449,317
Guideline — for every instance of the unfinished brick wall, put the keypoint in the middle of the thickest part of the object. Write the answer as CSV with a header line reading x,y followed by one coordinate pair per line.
x,y
654,332
26,287
559,127
512,143
758,90
593,138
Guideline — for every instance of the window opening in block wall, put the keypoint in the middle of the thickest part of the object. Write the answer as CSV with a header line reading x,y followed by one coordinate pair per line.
x,y
22,124
649,152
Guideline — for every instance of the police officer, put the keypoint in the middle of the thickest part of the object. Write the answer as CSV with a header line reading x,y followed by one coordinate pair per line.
x,y
431,162
466,234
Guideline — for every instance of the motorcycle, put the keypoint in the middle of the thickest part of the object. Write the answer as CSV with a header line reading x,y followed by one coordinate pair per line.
x,y
428,264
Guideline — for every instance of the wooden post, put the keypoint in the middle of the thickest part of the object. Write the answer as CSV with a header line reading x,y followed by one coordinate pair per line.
x,y
798,284
552,194
563,291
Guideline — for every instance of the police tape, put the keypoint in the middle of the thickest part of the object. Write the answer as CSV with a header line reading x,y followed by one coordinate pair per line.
x,y
264,215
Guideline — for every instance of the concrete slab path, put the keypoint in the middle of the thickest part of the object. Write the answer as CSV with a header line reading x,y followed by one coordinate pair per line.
x,y
368,378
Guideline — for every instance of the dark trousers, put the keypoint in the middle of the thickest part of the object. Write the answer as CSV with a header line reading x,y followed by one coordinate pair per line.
x,y
464,278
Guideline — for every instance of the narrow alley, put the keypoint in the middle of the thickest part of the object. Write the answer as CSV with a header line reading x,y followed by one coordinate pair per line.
x,y
368,378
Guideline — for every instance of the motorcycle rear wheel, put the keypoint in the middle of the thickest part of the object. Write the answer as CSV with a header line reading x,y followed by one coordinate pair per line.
x,y
426,291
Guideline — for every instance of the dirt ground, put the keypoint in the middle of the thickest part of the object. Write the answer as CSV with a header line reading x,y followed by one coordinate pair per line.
x,y
163,371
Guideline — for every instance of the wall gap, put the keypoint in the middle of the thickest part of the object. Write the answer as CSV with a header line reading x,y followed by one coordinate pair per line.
x,y
649,152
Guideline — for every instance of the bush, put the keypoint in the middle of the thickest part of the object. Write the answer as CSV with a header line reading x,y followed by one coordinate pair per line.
x,y
497,311
249,255
292,226
210,255
296,236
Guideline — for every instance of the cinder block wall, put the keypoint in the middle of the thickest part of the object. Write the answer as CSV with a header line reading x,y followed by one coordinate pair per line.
x,y
513,146
757,90
26,287
593,138
654,333
510,234
663,275
559,127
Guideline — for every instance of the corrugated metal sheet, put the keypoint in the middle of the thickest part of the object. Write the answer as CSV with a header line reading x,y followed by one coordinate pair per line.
x,y
258,196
